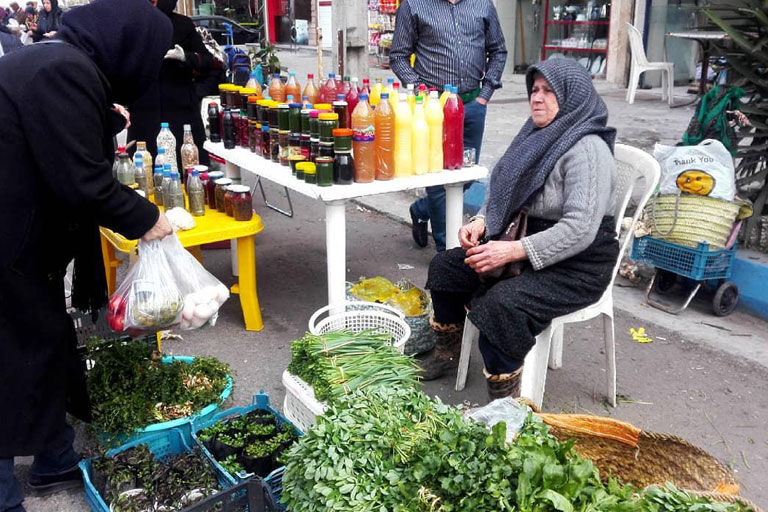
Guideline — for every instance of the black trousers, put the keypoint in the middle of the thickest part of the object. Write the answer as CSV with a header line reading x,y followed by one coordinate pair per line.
x,y
511,312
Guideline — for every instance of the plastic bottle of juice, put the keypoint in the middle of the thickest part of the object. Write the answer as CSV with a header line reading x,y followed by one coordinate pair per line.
x,y
389,87
435,123
376,91
277,88
410,96
403,122
446,93
353,96
364,141
453,132
328,90
422,93
385,139
420,139
394,96
292,86
366,89
344,87
311,90
253,82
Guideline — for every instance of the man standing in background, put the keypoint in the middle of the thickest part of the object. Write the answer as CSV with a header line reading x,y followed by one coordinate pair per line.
x,y
457,42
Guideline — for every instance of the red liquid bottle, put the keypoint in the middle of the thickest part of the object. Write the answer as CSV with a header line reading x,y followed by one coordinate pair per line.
x,y
328,90
366,89
453,132
343,87
352,97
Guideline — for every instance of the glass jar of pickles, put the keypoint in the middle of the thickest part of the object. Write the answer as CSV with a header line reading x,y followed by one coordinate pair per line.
x,y
210,188
221,190
327,122
294,118
283,117
242,204
324,172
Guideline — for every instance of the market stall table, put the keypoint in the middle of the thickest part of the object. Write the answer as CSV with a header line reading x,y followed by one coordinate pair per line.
x,y
336,197
214,226
705,39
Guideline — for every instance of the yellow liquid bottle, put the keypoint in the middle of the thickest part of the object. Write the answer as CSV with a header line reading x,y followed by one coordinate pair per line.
x,y
434,113
403,155
445,95
420,139
394,96
411,96
376,91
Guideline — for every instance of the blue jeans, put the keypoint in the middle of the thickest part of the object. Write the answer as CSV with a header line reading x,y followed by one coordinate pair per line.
x,y
58,456
432,207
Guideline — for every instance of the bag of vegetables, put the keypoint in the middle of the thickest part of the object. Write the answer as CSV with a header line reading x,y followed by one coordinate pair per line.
x,y
166,287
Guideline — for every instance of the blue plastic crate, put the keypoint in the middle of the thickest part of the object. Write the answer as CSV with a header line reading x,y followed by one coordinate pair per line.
x,y
162,445
274,486
183,425
697,263
260,401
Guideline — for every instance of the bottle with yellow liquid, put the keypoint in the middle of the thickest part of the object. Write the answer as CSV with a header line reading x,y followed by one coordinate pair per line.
x,y
376,91
403,154
394,96
410,95
434,112
420,138
445,95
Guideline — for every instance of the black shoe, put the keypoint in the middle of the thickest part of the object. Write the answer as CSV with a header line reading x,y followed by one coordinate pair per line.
x,y
43,485
418,229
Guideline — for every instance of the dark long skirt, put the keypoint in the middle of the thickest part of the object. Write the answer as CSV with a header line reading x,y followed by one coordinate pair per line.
x,y
511,312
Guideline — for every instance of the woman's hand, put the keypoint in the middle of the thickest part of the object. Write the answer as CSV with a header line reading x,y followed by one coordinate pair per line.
x,y
123,112
470,234
160,230
493,255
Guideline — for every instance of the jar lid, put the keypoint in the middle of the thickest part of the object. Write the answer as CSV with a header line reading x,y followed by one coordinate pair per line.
x,y
294,105
284,132
216,174
200,168
327,116
323,106
342,132
314,114
324,160
340,103
223,181
297,157
239,189
307,167
248,90
255,99
282,106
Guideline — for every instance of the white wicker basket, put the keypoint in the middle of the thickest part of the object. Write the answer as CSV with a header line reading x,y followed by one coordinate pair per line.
x,y
300,405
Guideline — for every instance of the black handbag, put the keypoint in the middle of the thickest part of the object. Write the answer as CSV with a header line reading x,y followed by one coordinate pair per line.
x,y
515,231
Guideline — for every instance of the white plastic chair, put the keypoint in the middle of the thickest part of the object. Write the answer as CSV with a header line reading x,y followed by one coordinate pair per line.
x,y
640,65
634,168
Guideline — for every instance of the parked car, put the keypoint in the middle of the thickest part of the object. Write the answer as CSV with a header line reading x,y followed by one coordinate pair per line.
x,y
218,28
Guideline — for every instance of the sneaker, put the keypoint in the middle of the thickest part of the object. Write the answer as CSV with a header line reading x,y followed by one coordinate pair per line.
x,y
418,229
43,485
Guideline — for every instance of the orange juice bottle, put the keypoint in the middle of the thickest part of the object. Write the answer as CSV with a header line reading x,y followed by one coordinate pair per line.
x,y
277,89
420,138
311,90
293,87
435,122
363,141
376,91
403,155
385,139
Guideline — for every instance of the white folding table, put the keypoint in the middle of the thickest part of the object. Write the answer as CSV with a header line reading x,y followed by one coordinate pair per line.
x,y
336,197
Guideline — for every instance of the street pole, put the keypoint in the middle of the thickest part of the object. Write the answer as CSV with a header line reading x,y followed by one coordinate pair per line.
x,y
350,17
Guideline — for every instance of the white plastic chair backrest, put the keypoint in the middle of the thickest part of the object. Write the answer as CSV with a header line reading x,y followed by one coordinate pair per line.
x,y
636,45
634,168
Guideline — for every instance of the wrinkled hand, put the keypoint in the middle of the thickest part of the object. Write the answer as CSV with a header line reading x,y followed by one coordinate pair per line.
x,y
160,230
123,112
481,101
470,234
493,254
175,53
50,34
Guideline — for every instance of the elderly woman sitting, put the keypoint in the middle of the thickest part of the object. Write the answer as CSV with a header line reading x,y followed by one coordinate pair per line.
x,y
560,169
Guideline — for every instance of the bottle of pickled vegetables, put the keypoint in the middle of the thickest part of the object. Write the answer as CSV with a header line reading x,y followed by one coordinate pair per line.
x,y
139,176
146,157
190,156
166,140
175,193
157,178
166,187
196,194
124,171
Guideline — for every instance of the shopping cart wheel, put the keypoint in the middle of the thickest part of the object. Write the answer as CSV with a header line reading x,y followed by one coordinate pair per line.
x,y
665,281
725,299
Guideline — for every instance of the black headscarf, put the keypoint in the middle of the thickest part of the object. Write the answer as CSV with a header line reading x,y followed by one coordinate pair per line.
x,y
49,21
127,40
524,168
167,6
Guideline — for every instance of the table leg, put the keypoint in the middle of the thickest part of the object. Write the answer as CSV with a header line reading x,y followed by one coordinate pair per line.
x,y
454,211
336,250
197,252
110,264
246,287
232,170
233,257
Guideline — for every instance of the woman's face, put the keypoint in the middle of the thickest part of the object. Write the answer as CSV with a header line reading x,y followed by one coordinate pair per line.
x,y
544,106
47,5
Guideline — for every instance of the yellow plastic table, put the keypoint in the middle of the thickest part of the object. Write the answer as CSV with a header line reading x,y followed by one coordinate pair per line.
x,y
214,226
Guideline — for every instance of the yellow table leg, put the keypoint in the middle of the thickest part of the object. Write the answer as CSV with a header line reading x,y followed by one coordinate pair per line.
x,y
110,264
197,252
159,342
246,287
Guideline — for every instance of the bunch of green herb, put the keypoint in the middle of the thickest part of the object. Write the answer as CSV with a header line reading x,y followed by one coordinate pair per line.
x,y
131,387
340,362
231,465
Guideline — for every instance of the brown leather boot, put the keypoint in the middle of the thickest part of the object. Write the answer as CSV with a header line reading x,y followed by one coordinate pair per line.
x,y
445,355
504,385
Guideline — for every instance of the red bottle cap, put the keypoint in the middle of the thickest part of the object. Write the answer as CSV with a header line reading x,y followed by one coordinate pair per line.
x,y
396,85
310,76
365,81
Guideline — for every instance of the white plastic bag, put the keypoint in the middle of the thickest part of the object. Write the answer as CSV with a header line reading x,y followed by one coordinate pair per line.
x,y
167,287
505,409
705,169
203,293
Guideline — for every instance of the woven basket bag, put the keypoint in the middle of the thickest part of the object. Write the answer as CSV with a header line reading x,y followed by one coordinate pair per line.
x,y
690,219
